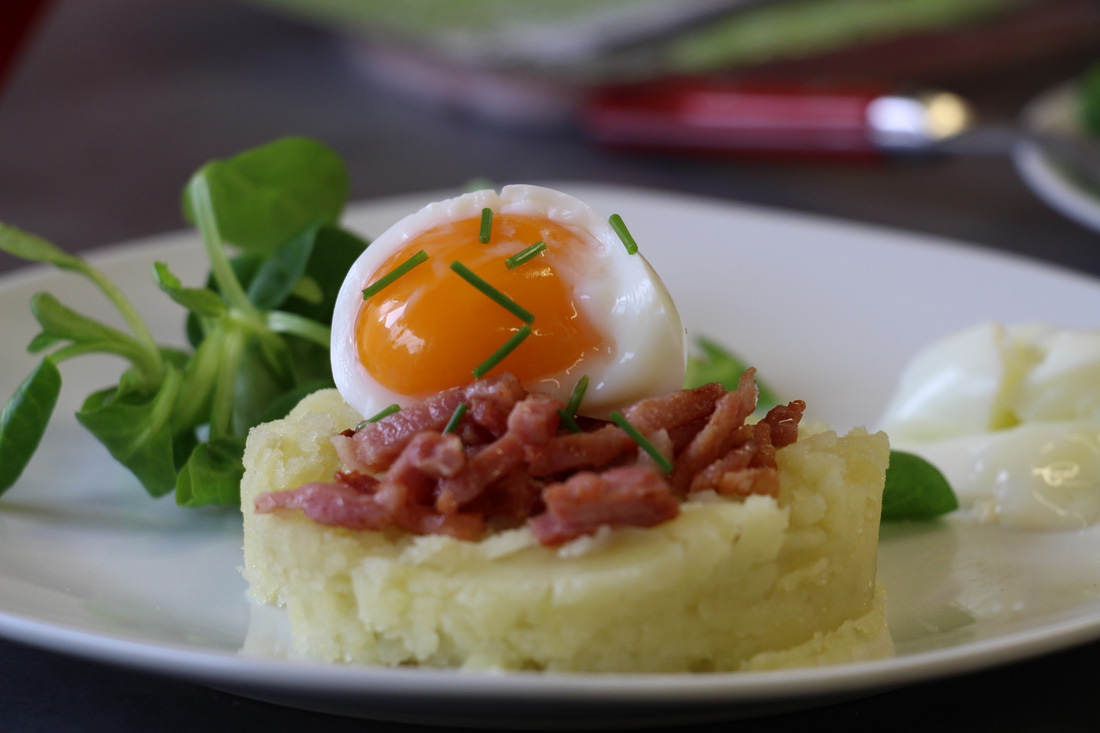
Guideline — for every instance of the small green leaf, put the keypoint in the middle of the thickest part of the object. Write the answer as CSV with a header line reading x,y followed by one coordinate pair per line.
x,y
283,268
915,489
1089,89
200,301
43,341
24,420
309,290
30,247
62,322
244,268
212,475
718,364
259,383
264,196
335,250
134,427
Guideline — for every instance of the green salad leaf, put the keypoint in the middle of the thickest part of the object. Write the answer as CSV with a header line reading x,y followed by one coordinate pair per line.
x,y
259,327
269,194
1089,90
716,363
915,489
212,474
24,420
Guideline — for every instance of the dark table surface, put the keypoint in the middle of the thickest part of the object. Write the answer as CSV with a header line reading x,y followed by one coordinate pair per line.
x,y
114,103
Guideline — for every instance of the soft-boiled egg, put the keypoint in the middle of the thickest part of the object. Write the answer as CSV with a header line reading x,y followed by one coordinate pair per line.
x,y
1011,415
593,308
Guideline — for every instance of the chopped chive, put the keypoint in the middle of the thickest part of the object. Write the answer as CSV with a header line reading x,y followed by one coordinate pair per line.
x,y
524,254
577,395
512,306
486,226
617,224
456,415
664,463
568,421
497,356
385,412
395,273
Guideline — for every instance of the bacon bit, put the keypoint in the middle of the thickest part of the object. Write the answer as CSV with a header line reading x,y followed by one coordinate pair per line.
x,y
631,496
422,520
719,435
335,504
783,420
361,482
427,458
512,499
493,463
378,444
675,409
535,420
500,465
579,450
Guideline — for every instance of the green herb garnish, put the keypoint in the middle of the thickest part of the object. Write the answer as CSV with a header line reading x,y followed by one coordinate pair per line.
x,y
577,395
617,224
486,225
498,356
524,254
510,305
259,327
568,414
915,489
642,441
388,278
384,412
568,421
456,416
1089,91
717,364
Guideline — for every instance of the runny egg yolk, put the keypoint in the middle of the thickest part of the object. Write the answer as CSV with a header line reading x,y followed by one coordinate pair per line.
x,y
430,328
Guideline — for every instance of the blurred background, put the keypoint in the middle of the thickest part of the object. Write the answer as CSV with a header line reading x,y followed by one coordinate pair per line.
x,y
107,107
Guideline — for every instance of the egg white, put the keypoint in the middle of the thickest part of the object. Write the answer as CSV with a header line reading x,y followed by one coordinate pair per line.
x,y
621,295
1011,415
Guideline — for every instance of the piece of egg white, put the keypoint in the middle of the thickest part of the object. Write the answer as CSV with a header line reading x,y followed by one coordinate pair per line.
x,y
1011,415
620,293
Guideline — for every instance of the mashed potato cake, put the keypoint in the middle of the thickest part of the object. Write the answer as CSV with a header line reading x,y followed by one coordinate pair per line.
x,y
728,584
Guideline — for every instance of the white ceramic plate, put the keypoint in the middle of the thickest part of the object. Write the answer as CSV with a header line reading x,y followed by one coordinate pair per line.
x,y
1057,111
828,311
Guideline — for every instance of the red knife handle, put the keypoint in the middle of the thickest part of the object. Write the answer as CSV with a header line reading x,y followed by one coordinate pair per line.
x,y
17,18
720,116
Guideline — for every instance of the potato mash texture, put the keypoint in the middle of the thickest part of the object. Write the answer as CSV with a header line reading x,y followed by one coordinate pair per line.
x,y
727,585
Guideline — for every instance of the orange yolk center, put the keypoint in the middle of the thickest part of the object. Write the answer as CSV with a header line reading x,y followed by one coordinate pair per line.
x,y
428,329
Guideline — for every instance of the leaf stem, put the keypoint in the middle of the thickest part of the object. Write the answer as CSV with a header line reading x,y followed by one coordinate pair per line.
x,y
307,328
198,190
151,353
135,356
200,377
221,414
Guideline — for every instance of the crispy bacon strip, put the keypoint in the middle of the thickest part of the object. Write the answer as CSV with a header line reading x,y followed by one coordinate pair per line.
x,y
378,444
509,461
627,496
718,436
578,450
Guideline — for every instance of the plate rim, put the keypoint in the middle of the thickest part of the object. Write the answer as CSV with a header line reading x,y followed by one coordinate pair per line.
x,y
209,666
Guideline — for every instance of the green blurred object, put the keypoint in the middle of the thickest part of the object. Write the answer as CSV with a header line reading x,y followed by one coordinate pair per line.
x,y
1090,99
609,40
715,363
